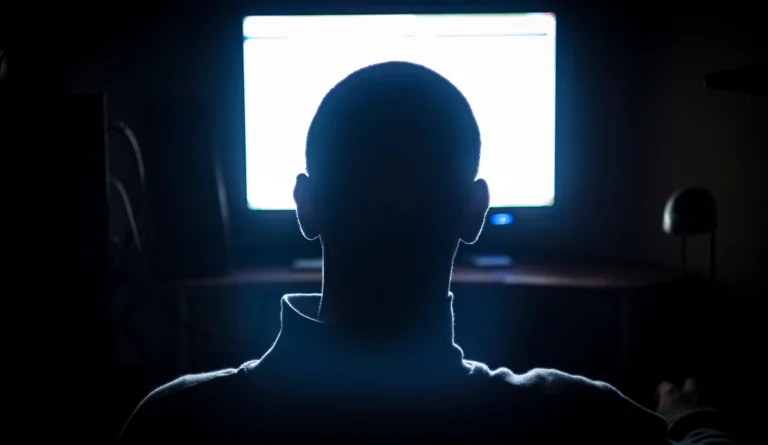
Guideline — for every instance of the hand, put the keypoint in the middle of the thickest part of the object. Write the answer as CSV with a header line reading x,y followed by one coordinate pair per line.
x,y
673,399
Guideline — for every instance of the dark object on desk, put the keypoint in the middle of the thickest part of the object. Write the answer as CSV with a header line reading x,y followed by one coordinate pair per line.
x,y
691,211
752,79
186,191
3,68
81,131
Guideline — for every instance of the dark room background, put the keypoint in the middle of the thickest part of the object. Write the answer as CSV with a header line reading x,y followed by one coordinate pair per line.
x,y
637,123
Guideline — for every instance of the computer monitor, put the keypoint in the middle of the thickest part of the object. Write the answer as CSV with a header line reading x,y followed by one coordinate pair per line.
x,y
503,63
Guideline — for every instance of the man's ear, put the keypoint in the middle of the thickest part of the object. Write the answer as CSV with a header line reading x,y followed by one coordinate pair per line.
x,y
304,195
471,224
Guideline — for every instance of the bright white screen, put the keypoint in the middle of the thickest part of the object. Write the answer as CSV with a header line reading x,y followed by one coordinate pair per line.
x,y
503,63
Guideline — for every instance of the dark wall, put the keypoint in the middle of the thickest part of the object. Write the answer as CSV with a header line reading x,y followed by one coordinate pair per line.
x,y
694,136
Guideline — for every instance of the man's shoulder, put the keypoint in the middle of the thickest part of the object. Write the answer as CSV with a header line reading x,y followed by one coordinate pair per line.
x,y
569,398
198,383
182,397
541,380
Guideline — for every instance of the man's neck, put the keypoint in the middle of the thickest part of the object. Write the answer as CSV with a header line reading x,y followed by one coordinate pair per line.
x,y
383,294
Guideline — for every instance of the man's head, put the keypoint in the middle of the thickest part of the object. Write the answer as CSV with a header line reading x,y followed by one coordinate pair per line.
x,y
392,155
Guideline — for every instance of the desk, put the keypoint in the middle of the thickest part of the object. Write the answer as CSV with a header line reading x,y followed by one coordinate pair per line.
x,y
558,276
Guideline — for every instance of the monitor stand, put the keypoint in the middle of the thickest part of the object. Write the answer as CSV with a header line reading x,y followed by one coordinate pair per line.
x,y
488,261
307,264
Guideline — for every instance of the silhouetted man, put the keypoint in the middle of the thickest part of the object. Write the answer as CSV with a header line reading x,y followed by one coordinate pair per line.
x,y
392,157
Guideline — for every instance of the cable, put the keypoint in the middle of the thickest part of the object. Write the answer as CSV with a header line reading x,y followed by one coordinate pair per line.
x,y
133,228
133,212
124,129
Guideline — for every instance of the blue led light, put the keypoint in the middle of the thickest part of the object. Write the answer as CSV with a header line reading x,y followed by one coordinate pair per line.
x,y
501,219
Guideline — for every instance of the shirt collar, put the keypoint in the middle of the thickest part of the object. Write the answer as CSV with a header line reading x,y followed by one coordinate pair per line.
x,y
427,352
